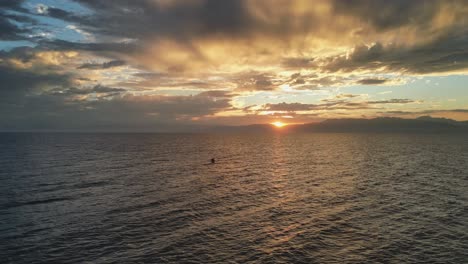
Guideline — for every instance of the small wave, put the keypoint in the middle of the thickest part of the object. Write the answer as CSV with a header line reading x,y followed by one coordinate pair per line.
x,y
87,185
35,202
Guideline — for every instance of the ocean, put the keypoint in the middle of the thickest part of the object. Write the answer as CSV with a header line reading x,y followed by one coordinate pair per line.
x,y
269,198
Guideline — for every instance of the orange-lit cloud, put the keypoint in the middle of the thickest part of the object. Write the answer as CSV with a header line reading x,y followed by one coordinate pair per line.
x,y
249,60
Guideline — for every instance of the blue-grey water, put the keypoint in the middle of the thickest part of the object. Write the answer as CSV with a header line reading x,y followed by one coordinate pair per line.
x,y
298,198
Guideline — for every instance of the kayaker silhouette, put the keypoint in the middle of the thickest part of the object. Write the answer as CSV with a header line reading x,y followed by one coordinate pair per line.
x,y
213,161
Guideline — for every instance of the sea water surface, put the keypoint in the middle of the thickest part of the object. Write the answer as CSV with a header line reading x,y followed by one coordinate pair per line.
x,y
277,198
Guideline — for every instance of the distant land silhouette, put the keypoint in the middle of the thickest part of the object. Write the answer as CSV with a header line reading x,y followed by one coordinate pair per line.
x,y
380,124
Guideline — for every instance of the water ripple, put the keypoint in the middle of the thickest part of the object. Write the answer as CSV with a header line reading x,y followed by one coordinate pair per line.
x,y
316,198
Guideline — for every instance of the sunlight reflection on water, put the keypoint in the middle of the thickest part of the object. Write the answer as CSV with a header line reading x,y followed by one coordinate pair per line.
x,y
303,198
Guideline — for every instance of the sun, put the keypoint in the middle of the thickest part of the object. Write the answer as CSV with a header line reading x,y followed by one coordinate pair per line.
x,y
278,124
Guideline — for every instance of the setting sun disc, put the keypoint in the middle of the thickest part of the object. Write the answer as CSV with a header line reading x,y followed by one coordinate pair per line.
x,y
278,124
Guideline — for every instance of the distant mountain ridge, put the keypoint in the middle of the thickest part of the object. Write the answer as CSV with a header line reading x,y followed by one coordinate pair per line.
x,y
380,124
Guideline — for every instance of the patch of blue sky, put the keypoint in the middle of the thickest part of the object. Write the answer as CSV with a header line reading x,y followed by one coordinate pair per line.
x,y
14,22
48,27
66,5
70,34
58,29
9,45
449,90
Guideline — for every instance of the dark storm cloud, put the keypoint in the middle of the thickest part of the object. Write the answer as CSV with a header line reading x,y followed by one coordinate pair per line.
x,y
8,29
332,104
34,100
63,14
384,14
446,53
12,5
194,17
372,81
104,89
105,65
156,113
58,13
104,48
175,106
169,81
16,83
18,87
72,91
184,21
23,54
41,98
148,18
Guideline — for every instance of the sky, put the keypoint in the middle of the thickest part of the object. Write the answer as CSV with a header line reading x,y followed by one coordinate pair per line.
x,y
166,65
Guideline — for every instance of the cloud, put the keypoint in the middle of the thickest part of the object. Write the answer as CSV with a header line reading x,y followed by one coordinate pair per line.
x,y
426,112
372,81
39,98
444,54
9,31
443,114
332,104
285,37
385,15
184,18
393,101
105,65
18,86
200,34
42,9
9,28
297,62
15,83
105,89
221,51
73,91
298,107
241,18
254,81
460,110
217,94
11,4
99,48
341,96
155,113
61,14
